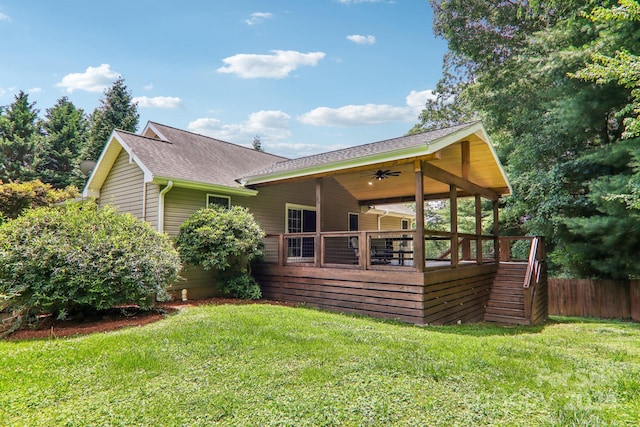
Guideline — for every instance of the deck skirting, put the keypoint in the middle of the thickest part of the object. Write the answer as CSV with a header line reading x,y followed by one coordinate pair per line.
x,y
437,297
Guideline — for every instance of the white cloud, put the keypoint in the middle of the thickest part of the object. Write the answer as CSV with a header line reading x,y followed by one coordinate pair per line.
x,y
258,17
276,66
34,90
270,125
148,87
358,39
4,17
158,101
368,114
94,79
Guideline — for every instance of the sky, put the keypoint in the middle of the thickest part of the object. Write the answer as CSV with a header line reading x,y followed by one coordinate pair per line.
x,y
306,76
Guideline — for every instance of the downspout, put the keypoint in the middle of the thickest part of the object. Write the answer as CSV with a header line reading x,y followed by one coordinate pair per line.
x,y
164,191
386,212
144,201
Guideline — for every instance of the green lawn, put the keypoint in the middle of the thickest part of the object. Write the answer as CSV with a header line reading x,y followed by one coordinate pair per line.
x,y
261,365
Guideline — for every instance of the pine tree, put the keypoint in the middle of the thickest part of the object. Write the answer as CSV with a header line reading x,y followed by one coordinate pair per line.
x,y
117,111
65,134
19,130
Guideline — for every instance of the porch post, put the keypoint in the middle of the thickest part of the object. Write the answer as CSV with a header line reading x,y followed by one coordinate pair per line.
x,y
453,204
418,242
479,228
317,242
496,231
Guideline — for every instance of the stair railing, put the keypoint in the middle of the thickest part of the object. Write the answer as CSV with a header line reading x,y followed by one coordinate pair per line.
x,y
533,275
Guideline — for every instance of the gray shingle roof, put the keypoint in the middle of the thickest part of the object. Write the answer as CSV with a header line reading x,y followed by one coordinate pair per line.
x,y
192,157
359,151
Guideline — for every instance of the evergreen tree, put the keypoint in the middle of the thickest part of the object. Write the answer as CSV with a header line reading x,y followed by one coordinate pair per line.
x,y
19,129
65,134
514,62
117,111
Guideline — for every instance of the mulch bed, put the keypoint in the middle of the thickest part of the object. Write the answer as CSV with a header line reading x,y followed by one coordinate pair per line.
x,y
117,319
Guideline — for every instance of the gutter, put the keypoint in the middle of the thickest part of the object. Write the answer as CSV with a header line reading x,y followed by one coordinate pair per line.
x,y
164,191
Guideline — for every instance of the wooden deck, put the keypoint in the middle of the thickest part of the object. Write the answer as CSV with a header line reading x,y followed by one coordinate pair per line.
x,y
442,294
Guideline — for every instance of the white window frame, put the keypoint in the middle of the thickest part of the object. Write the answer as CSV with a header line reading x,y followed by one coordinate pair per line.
x,y
294,206
219,196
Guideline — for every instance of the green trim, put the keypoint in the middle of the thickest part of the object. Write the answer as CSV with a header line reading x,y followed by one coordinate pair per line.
x,y
213,188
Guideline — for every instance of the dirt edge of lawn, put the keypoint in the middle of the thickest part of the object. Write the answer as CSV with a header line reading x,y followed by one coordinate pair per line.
x,y
117,319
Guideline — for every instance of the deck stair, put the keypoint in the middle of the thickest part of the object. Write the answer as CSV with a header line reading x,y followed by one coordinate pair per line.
x,y
506,302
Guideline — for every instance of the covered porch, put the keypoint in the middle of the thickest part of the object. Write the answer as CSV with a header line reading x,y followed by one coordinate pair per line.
x,y
412,274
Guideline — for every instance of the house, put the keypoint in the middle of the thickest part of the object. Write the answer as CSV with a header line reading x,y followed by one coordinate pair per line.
x,y
340,234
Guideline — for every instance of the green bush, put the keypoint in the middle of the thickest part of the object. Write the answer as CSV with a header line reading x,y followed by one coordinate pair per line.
x,y
77,258
225,240
15,197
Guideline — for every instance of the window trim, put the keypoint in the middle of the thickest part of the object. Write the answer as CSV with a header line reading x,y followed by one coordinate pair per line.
x,y
288,206
220,196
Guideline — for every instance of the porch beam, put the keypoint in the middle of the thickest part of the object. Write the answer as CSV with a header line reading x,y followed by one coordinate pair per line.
x,y
418,243
496,231
447,177
479,229
317,240
453,204
466,158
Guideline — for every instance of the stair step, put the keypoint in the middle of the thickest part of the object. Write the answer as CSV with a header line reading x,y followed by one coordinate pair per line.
x,y
506,320
505,305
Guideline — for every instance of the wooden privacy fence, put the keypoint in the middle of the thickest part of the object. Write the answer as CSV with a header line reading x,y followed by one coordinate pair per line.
x,y
605,299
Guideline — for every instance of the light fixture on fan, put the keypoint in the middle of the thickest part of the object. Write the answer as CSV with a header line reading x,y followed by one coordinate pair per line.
x,y
383,174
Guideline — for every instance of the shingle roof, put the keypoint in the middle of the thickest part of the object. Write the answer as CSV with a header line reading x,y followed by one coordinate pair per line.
x,y
359,151
192,157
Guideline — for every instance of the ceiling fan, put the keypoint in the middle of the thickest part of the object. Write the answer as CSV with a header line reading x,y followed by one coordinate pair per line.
x,y
383,174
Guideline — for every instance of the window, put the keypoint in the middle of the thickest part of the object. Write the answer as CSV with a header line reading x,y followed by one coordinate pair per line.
x,y
404,224
216,200
300,219
354,223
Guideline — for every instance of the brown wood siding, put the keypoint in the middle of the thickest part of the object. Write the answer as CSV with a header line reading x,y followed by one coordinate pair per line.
x,y
435,297
458,294
389,295
123,186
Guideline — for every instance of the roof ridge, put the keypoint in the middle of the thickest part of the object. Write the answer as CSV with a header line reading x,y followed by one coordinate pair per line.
x,y
323,153
219,140
142,136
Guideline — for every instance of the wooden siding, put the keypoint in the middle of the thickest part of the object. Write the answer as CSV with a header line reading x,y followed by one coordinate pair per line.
x,y
124,186
605,299
389,295
435,297
457,294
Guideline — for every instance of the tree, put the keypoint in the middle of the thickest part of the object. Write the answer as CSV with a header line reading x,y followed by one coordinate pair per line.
x,y
65,133
117,111
19,128
515,61
257,145
16,197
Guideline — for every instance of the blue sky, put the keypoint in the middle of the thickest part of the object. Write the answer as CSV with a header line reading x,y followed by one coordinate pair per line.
x,y
306,76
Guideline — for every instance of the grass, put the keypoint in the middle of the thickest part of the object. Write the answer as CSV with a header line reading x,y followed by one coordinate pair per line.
x,y
261,365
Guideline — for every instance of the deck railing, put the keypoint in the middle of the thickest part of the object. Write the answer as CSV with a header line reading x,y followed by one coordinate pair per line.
x,y
376,250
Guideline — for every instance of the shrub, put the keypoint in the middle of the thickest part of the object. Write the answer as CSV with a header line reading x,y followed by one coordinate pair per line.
x,y
77,258
15,197
226,240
